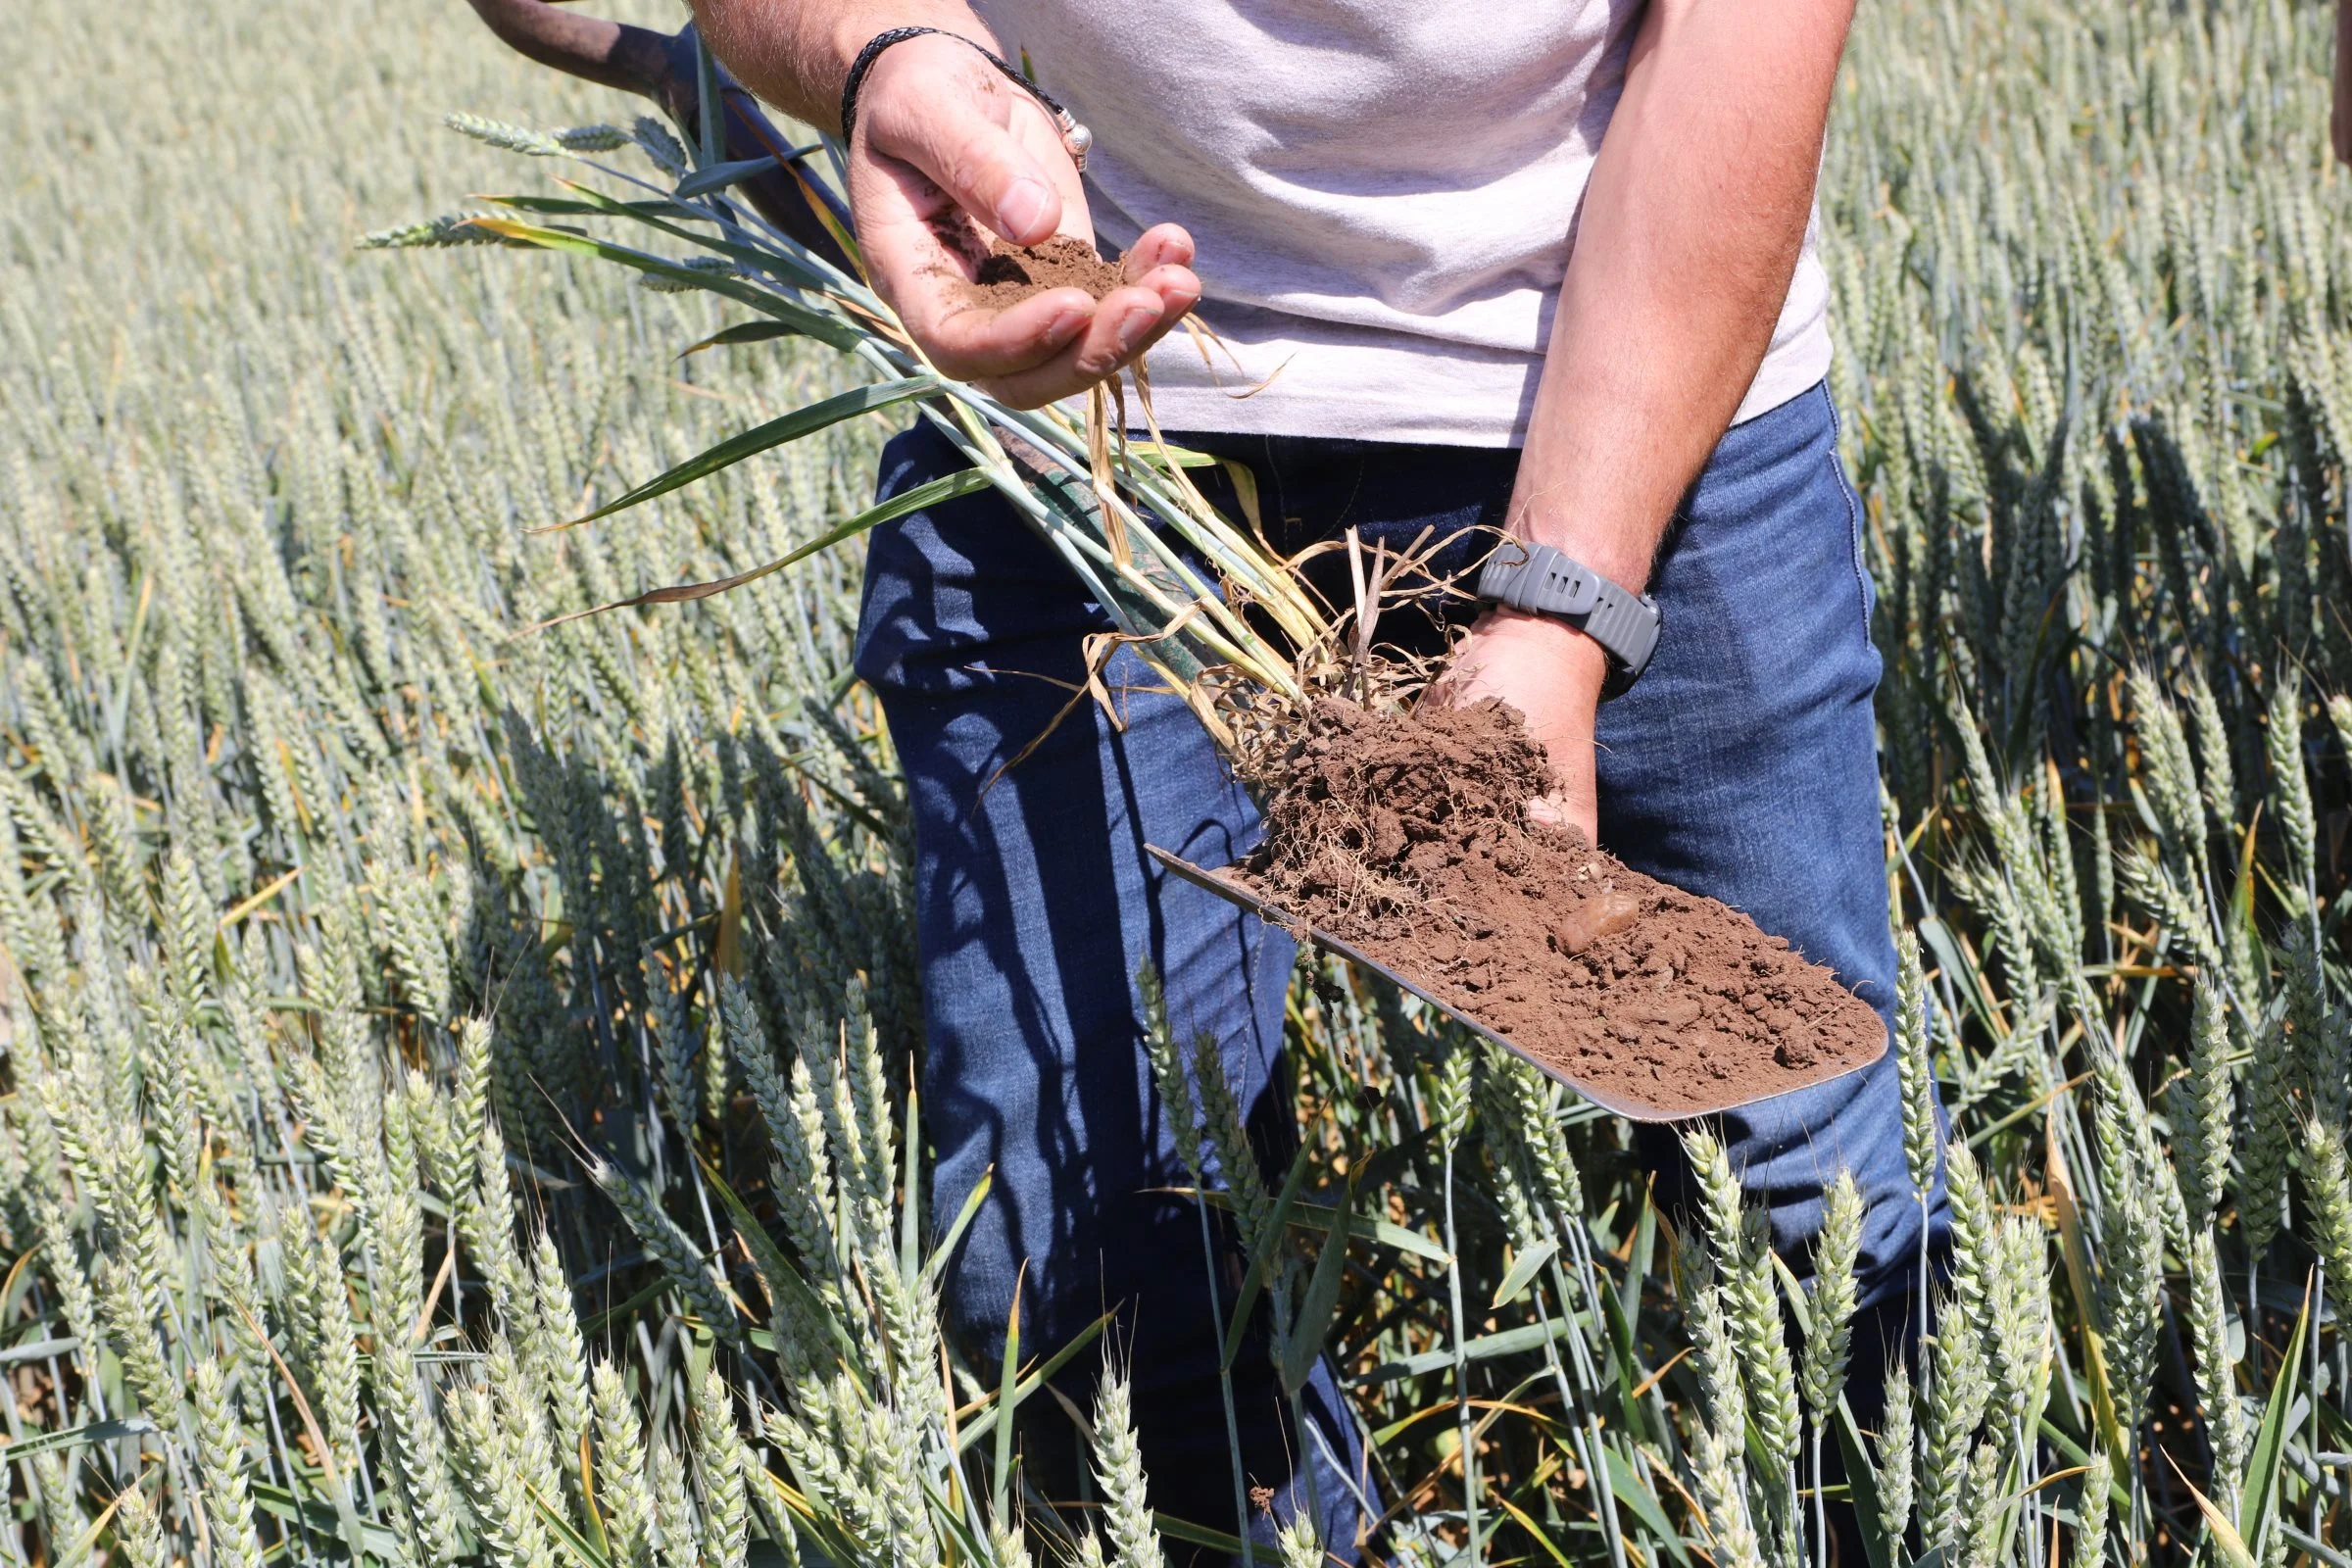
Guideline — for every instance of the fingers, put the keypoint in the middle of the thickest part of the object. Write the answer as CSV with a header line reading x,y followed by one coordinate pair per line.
x,y
1124,324
941,139
1166,245
1561,811
972,342
947,113
1061,340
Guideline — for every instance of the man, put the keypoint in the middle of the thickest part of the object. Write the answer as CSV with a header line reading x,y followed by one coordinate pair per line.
x,y
1547,264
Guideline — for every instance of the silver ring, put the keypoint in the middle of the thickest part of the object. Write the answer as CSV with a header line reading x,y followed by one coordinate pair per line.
x,y
1076,137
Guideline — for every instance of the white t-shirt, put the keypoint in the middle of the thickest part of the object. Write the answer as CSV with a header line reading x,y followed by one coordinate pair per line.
x,y
1383,193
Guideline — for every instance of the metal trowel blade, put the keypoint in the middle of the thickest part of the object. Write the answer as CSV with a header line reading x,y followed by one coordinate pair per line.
x,y
1611,1099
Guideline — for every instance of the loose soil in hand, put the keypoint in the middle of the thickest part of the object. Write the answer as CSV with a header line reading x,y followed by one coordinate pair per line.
x,y
1010,273
1406,837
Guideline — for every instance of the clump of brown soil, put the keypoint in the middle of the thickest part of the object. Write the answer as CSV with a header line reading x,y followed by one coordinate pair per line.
x,y
1405,836
1010,273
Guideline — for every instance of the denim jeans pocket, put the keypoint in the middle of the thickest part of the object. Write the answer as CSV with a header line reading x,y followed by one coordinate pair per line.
x,y
1863,583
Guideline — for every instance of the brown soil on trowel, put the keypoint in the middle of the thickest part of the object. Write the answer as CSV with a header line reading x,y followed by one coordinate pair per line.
x,y
1405,836
1010,273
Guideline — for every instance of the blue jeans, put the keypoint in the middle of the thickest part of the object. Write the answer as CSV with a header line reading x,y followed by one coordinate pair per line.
x,y
1742,765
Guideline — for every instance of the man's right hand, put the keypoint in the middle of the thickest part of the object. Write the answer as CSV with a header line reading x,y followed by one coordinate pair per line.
x,y
943,140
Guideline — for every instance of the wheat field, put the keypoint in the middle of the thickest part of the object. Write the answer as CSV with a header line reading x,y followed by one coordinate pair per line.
x,y
454,1076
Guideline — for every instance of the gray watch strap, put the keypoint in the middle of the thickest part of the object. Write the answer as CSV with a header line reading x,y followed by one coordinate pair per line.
x,y
1541,581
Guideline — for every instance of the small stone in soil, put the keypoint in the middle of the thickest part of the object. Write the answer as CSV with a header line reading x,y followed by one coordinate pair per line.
x,y
1595,918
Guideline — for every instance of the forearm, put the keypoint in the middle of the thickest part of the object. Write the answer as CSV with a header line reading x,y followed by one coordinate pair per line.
x,y
796,53
1691,229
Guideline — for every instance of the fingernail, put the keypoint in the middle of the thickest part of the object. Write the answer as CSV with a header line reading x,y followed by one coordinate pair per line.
x,y
1133,325
1023,207
1064,326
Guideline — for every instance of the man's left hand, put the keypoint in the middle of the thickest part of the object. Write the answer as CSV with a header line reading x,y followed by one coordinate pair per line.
x,y
1552,674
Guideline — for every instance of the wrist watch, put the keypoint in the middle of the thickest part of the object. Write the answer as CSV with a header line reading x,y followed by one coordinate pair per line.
x,y
1542,581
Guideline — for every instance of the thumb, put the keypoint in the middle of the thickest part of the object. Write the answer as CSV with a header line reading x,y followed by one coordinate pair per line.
x,y
954,126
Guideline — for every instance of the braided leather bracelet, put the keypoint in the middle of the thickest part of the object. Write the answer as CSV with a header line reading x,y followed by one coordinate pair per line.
x,y
1074,136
